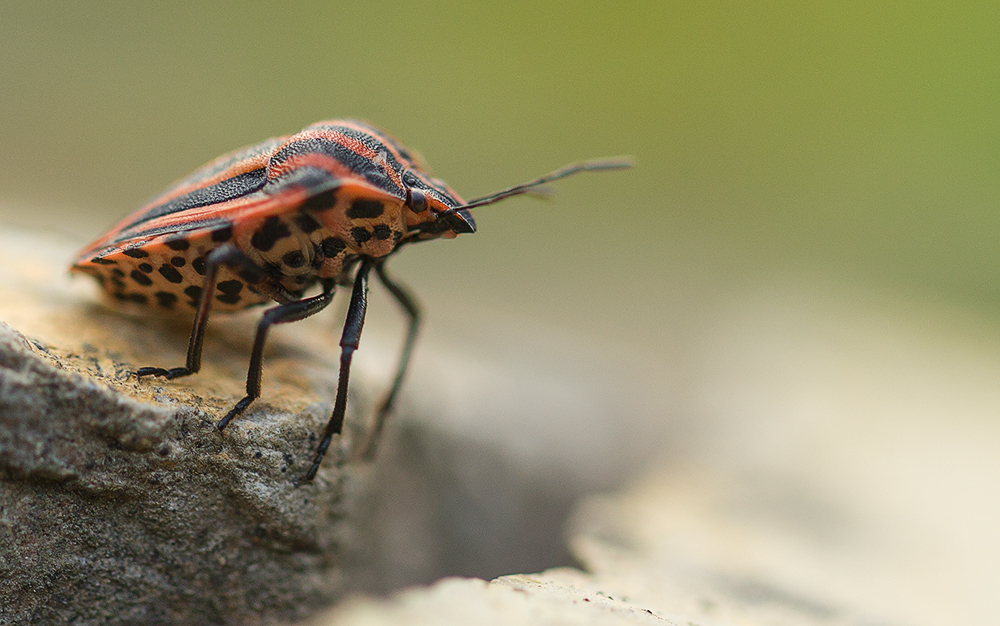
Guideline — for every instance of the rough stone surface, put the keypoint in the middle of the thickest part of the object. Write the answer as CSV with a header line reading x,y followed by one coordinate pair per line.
x,y
120,503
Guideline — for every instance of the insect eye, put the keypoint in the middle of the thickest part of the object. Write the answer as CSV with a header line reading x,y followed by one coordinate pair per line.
x,y
416,200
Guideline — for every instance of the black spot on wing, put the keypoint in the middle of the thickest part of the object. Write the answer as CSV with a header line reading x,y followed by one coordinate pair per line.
x,y
165,299
141,278
269,233
229,189
193,292
171,274
230,286
224,233
137,298
249,274
382,231
365,209
321,201
306,223
332,246
230,291
360,235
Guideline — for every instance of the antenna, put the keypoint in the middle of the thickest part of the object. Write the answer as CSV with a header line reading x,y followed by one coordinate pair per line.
x,y
612,163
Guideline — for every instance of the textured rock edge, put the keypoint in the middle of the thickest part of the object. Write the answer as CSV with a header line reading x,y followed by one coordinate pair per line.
x,y
118,511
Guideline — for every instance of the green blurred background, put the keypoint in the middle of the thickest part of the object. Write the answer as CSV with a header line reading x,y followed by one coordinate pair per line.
x,y
846,142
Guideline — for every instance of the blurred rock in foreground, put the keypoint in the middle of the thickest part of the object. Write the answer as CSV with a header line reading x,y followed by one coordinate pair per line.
x,y
838,468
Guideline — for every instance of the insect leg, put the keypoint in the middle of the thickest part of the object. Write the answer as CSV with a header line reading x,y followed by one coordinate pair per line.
x,y
349,341
281,314
408,302
229,256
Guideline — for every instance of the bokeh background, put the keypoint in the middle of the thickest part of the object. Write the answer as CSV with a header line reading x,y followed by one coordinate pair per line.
x,y
854,140
839,147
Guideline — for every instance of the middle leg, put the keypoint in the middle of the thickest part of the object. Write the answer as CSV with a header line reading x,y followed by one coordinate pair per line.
x,y
281,314
408,303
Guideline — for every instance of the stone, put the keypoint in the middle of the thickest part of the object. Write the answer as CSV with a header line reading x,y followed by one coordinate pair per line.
x,y
119,501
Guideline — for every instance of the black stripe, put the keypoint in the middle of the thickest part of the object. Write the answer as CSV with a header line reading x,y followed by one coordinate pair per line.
x,y
376,141
229,189
223,163
365,209
374,138
355,162
210,224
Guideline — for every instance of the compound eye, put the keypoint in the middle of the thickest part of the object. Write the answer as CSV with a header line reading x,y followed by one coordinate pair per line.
x,y
416,200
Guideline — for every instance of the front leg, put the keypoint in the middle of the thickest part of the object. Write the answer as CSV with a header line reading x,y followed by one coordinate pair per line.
x,y
349,341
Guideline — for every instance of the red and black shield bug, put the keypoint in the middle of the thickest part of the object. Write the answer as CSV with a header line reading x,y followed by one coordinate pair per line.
x,y
326,207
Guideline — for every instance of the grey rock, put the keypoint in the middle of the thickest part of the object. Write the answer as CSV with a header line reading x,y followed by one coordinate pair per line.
x,y
119,501
114,511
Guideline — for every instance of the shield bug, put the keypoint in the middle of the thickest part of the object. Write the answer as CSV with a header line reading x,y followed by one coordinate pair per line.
x,y
325,207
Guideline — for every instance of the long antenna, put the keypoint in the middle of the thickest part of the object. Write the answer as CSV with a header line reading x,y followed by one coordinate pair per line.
x,y
612,163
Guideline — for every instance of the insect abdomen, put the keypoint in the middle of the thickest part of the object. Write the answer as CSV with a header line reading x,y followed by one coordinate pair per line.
x,y
167,273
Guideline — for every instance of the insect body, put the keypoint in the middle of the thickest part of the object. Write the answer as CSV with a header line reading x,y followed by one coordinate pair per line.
x,y
324,207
